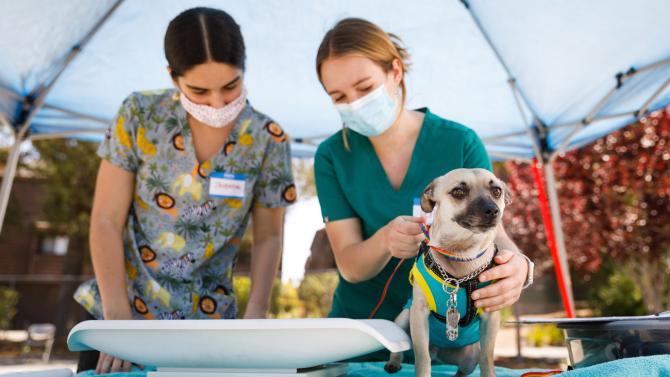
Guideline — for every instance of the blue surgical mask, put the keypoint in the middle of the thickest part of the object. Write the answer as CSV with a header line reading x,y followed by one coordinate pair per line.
x,y
370,115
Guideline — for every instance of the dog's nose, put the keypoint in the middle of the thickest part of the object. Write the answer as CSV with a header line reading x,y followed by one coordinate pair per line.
x,y
491,210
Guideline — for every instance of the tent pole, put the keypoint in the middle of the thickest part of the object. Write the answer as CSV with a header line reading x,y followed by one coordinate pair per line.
x,y
4,92
78,115
487,139
547,213
509,144
63,134
32,104
8,178
645,106
509,156
37,97
596,119
543,154
649,67
537,148
558,234
502,62
578,126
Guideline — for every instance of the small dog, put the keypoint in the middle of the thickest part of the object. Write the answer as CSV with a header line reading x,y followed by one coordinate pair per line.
x,y
467,207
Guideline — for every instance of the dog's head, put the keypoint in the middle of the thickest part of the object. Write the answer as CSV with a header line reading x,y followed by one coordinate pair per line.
x,y
472,199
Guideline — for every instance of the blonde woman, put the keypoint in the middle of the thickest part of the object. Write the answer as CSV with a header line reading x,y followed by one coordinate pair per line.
x,y
369,174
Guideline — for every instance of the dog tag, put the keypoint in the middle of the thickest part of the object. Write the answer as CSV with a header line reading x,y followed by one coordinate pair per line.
x,y
453,316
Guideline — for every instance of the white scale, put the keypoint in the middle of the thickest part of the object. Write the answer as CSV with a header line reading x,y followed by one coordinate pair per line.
x,y
240,348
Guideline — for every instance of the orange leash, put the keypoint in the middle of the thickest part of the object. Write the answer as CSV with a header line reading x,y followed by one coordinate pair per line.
x,y
388,282
386,287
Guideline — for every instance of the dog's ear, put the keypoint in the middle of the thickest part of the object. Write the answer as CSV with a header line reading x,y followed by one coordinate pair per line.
x,y
507,193
427,199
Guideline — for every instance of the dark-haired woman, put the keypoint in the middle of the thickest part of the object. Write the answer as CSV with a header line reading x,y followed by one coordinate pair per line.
x,y
182,171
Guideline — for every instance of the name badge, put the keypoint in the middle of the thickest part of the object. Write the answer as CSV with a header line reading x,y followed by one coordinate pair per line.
x,y
226,185
418,212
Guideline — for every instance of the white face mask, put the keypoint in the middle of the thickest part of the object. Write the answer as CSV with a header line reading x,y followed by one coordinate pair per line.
x,y
371,114
211,116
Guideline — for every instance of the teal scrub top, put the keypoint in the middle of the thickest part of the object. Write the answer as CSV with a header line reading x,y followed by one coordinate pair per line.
x,y
353,184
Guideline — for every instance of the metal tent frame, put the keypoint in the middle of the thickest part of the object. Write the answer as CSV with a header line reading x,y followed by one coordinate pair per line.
x,y
31,104
537,130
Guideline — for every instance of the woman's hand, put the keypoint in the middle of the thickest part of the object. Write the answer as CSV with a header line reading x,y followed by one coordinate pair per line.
x,y
108,363
252,312
510,275
403,236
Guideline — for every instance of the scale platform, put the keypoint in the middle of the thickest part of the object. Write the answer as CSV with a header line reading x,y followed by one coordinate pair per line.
x,y
597,340
240,348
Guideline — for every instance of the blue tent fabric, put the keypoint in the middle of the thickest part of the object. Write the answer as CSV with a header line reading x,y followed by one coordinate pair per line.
x,y
563,56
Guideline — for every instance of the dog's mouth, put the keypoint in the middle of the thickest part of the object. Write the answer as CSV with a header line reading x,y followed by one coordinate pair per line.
x,y
475,224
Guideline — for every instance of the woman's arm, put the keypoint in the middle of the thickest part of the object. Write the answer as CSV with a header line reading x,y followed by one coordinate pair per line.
x,y
266,253
113,196
510,275
359,260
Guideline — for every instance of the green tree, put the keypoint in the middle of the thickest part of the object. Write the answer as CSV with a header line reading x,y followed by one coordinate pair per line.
x,y
242,288
614,197
284,301
8,300
316,291
69,167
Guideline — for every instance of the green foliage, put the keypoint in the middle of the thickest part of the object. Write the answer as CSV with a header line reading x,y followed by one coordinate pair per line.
x,y
614,196
242,288
545,335
614,293
284,301
316,292
8,300
506,314
312,298
13,217
69,168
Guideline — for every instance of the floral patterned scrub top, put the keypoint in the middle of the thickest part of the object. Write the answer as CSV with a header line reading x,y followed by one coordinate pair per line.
x,y
180,243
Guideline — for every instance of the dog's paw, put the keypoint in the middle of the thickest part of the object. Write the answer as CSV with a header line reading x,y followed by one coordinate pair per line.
x,y
391,367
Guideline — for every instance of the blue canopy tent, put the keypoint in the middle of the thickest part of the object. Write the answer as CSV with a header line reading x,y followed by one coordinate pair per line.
x,y
533,78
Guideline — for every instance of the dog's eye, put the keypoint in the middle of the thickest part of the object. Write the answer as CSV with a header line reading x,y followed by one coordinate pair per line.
x,y
497,192
459,193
